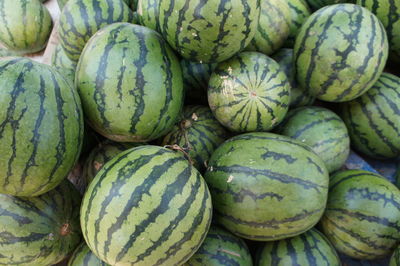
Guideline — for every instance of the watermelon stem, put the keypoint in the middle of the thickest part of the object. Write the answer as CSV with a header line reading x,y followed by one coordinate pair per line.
x,y
176,147
65,229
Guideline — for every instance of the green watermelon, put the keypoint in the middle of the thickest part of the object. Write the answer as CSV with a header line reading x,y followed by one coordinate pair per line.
x,y
83,256
165,200
221,248
198,133
203,31
308,249
249,92
340,52
25,25
39,230
395,258
81,19
299,12
317,4
388,11
373,120
41,127
298,96
267,187
273,27
133,91
63,64
322,130
362,217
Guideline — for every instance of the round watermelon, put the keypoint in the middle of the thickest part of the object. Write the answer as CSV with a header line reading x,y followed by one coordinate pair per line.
x,y
41,127
308,249
373,119
362,217
83,256
395,258
165,200
267,187
63,64
249,92
340,52
299,12
130,83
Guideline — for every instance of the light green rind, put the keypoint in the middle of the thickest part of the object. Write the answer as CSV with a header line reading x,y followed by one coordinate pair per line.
x,y
299,12
63,64
83,256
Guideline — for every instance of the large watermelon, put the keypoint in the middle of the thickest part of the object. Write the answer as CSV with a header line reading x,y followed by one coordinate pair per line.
x,y
373,119
340,52
63,64
266,186
249,92
322,130
81,19
299,12
203,31
41,127
362,217
83,256
39,230
147,206
130,83
198,133
308,249
25,25
221,248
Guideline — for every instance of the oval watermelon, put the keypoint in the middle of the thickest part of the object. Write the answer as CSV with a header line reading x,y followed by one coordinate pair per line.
x,y
340,52
83,256
133,92
63,64
165,200
299,12
362,217
267,187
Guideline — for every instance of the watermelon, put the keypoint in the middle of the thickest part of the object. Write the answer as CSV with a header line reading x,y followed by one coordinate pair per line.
x,y
198,133
317,4
133,91
267,187
203,31
311,248
373,119
81,19
395,258
165,200
221,248
298,96
25,25
388,11
249,92
322,130
340,52
39,230
83,256
273,27
299,12
41,127
362,217
63,64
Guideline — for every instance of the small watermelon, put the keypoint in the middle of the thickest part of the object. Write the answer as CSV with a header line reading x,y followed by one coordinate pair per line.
x,y
362,217
373,120
395,258
63,64
308,249
25,25
299,12
340,52
165,200
83,256
133,91
267,187
249,92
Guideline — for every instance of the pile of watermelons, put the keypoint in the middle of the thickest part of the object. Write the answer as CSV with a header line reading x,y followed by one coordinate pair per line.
x,y
218,132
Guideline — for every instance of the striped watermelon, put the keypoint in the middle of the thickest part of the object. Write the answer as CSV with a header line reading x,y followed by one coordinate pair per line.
x,y
267,187
298,96
249,92
373,120
362,217
165,200
395,258
340,52
299,12
203,31
273,27
83,256
221,248
39,230
322,130
317,4
388,11
198,133
130,83
25,25
63,64
311,248
81,19
41,127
